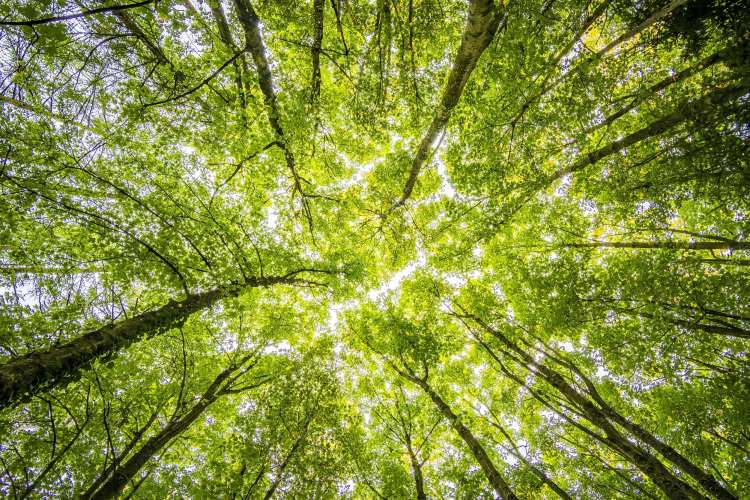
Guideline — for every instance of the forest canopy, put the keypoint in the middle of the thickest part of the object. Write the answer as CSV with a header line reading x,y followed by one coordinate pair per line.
x,y
375,249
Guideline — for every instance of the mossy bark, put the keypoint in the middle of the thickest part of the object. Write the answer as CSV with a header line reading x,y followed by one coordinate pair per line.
x,y
482,24
43,370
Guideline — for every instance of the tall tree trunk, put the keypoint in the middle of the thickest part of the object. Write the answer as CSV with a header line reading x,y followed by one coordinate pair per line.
x,y
547,85
678,245
288,458
225,36
481,25
56,367
318,6
727,331
534,469
587,22
123,474
664,83
708,482
416,469
107,472
672,486
254,44
496,480
129,23
685,112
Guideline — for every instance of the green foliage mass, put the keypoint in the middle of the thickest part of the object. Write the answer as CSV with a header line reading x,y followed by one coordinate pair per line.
x,y
560,307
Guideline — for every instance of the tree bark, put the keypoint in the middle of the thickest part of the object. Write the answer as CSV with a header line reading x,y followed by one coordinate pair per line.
x,y
416,469
727,331
708,482
226,38
481,25
107,472
131,25
536,470
254,44
318,11
122,475
499,484
677,245
292,451
664,83
686,111
672,486
56,367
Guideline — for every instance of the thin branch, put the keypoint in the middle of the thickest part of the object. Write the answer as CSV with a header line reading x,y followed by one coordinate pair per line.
x,y
85,13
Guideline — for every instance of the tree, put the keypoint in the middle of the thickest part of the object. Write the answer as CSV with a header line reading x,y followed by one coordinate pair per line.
x,y
470,249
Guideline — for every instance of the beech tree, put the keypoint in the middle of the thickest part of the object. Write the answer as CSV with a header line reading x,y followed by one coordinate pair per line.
x,y
375,249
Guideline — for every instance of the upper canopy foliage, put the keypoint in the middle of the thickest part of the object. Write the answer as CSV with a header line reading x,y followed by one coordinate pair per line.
x,y
375,249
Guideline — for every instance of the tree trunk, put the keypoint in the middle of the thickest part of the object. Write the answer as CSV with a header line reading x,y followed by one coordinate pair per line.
x,y
122,475
416,469
107,472
727,331
292,451
125,18
546,87
708,482
672,486
254,44
499,484
481,25
662,84
56,367
318,6
226,38
677,245
686,111
536,470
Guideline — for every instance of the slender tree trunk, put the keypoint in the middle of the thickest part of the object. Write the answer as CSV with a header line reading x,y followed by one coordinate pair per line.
x,y
416,469
496,480
727,331
123,474
254,44
226,38
318,10
662,477
547,86
536,470
687,111
280,472
125,18
591,19
653,18
56,367
106,473
481,25
664,83
708,482
677,245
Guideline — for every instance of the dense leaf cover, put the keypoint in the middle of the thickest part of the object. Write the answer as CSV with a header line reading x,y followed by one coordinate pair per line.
x,y
375,249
